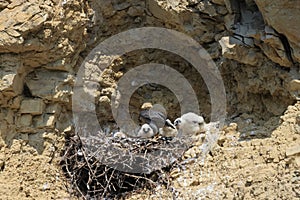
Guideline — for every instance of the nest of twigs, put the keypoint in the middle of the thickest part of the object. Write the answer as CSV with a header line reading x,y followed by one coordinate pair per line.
x,y
106,167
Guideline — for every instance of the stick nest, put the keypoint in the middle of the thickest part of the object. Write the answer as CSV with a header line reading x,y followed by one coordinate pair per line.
x,y
106,167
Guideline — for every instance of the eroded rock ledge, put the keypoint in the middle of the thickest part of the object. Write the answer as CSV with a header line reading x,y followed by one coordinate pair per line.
x,y
255,44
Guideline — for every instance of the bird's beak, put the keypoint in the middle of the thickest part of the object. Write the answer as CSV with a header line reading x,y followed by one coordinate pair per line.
x,y
176,124
169,123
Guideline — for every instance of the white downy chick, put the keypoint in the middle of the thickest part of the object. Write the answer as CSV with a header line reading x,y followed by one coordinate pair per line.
x,y
145,131
119,135
190,124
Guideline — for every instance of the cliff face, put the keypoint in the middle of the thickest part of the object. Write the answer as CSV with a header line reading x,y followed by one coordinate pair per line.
x,y
255,45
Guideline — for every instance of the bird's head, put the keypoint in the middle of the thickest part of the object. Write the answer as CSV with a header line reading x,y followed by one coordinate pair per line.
x,y
146,131
177,122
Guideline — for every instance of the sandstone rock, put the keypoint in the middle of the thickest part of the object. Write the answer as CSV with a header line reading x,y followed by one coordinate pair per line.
x,y
60,65
135,11
146,105
283,16
3,4
297,129
53,108
248,28
44,121
10,83
293,150
272,107
232,128
175,173
245,55
107,91
191,153
121,6
25,120
69,129
7,81
219,2
104,100
41,85
297,160
22,18
24,136
9,116
298,119
229,21
221,140
159,12
46,34
255,142
186,181
206,7
294,85
249,179
226,45
15,103
2,162
222,10
36,141
32,106
55,42
274,49
63,121
245,143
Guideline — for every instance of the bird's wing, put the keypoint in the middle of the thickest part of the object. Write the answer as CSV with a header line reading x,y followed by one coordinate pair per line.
x,y
192,117
153,116
144,115
158,118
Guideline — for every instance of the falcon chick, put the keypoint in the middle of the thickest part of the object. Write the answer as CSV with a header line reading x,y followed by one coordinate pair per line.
x,y
119,135
190,123
145,131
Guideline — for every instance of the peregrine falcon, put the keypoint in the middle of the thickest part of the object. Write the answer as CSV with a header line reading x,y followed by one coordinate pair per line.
x,y
156,117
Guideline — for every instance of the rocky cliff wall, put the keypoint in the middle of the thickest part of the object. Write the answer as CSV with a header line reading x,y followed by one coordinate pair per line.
x,y
255,45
